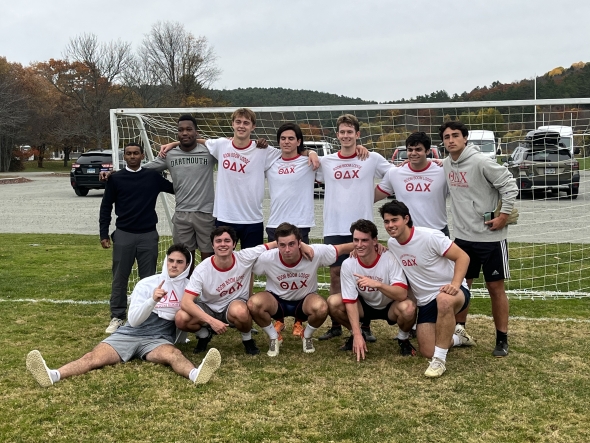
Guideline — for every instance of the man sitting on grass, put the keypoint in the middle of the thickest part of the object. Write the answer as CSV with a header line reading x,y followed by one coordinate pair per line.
x,y
149,333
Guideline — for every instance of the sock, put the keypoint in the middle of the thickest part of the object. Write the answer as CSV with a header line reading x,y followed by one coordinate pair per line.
x,y
440,353
401,335
456,340
309,330
246,336
462,323
55,375
414,327
192,376
501,336
202,333
270,331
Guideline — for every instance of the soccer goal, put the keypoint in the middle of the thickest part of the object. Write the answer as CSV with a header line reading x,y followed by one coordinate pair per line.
x,y
549,247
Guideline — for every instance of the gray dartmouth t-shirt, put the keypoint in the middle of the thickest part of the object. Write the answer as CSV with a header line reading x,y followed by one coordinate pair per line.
x,y
192,176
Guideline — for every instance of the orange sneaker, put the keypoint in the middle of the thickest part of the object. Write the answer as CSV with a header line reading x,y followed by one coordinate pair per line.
x,y
298,328
279,326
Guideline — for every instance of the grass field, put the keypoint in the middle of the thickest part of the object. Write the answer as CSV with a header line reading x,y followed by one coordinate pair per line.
x,y
48,166
540,393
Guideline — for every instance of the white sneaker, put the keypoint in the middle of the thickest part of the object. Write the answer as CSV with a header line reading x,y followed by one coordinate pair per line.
x,y
464,337
208,366
36,366
273,348
115,324
436,368
308,345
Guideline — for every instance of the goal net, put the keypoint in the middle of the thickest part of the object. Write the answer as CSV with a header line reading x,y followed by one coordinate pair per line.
x,y
549,248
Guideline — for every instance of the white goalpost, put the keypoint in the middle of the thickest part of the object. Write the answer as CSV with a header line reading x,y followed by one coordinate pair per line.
x,y
549,247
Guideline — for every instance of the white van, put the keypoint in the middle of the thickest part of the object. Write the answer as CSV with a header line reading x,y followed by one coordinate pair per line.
x,y
485,141
566,135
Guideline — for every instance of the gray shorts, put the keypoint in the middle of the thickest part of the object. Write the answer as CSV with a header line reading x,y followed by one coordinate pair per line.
x,y
132,346
221,316
193,229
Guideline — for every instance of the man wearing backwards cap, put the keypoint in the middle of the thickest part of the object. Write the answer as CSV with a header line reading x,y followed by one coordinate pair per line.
x,y
149,333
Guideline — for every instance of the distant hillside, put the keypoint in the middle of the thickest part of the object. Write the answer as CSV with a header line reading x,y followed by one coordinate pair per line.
x,y
280,97
573,82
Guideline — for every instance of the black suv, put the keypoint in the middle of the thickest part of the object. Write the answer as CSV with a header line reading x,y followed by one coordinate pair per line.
x,y
541,163
84,173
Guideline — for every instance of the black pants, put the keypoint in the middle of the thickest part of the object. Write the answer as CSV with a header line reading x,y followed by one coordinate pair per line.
x,y
127,248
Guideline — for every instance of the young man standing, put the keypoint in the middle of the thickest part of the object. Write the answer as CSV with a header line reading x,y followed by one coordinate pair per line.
x,y
290,183
291,287
133,191
348,194
477,183
420,184
191,167
240,179
435,268
149,334
373,288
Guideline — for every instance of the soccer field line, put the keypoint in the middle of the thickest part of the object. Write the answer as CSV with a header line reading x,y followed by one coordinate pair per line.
x,y
476,316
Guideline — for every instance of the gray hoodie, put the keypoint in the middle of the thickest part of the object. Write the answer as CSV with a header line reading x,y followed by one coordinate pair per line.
x,y
476,184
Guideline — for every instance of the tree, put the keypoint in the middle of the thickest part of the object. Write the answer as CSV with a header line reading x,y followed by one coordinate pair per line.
x,y
13,111
91,73
174,57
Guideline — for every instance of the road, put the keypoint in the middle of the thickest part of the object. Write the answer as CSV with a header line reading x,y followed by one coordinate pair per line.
x,y
47,204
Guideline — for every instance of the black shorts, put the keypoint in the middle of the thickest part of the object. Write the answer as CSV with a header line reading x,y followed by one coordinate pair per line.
x,y
371,313
429,313
270,232
249,235
338,240
289,308
221,316
491,256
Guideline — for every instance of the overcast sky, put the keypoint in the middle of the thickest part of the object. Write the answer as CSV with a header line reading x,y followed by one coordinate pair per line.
x,y
373,49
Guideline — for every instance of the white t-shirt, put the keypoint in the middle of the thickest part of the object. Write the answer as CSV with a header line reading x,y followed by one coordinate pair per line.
x,y
240,180
349,189
290,183
423,260
384,270
218,288
424,193
294,282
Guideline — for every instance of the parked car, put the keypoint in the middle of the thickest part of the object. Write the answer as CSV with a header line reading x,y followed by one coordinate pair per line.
x,y
322,149
401,154
541,164
84,173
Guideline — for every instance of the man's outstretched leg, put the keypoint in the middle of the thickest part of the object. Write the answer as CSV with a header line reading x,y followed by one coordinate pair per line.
x,y
102,355
171,356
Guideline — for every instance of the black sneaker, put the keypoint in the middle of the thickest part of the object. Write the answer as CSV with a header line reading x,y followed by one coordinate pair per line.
x,y
331,333
406,348
369,335
412,333
347,346
501,349
203,342
251,347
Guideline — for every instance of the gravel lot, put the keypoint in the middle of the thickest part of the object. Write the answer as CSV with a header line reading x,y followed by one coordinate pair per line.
x,y
47,204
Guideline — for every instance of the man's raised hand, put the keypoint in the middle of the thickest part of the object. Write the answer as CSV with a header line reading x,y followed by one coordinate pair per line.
x,y
159,292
